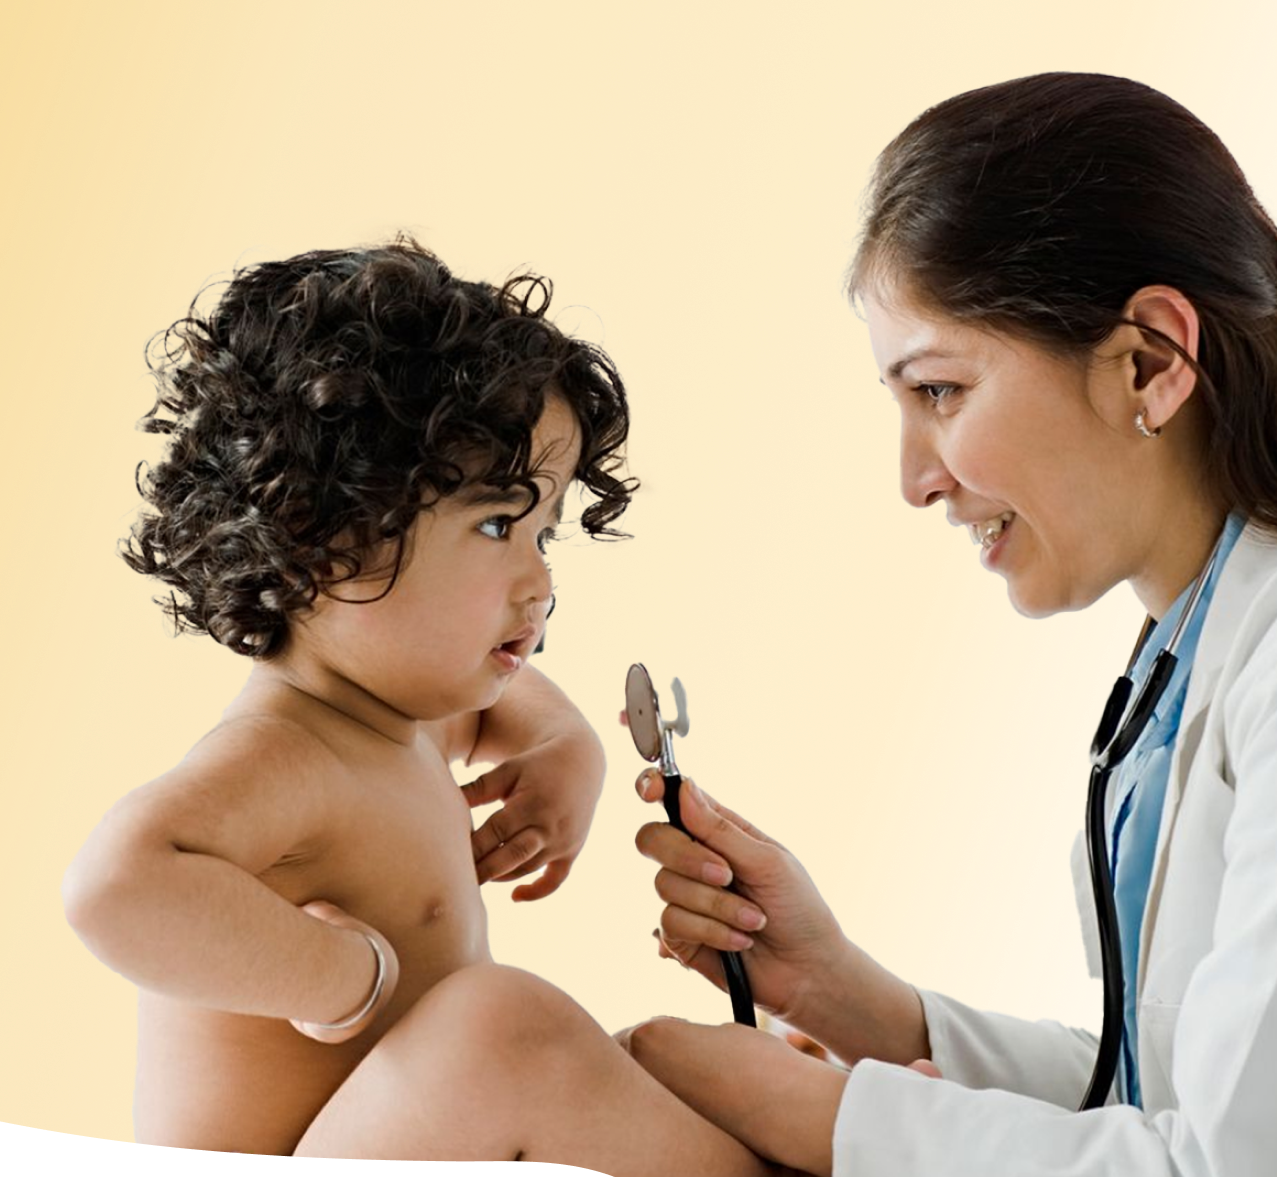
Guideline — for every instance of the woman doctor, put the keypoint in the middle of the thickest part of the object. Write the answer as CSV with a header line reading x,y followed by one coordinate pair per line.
x,y
1072,295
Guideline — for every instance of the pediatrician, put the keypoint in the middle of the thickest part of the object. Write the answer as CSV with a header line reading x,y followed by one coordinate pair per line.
x,y
1072,295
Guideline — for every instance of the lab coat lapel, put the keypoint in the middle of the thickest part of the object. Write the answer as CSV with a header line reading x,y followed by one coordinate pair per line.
x,y
1248,564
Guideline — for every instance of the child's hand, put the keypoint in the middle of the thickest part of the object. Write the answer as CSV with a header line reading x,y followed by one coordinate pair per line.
x,y
332,914
549,794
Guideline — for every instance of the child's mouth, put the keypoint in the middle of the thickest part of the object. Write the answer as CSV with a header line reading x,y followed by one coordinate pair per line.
x,y
512,653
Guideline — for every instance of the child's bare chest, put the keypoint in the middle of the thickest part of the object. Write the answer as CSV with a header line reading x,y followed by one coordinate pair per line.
x,y
398,856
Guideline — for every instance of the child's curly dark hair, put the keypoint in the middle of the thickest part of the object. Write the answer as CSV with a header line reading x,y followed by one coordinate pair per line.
x,y
324,402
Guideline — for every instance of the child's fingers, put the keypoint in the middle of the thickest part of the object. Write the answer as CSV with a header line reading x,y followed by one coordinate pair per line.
x,y
330,913
550,881
496,856
490,786
502,829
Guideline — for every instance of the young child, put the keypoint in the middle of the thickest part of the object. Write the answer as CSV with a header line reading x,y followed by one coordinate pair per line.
x,y
367,459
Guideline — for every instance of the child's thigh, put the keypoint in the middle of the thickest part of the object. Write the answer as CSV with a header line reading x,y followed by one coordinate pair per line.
x,y
496,1064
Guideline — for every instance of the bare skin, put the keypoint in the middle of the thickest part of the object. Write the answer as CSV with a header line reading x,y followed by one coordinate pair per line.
x,y
388,842
802,968
240,890
528,1076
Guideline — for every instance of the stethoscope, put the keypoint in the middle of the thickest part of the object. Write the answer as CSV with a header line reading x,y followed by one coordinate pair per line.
x,y
1121,726
654,739
1119,731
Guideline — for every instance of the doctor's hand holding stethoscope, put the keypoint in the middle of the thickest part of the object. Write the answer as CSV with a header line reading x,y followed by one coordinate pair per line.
x,y
1071,294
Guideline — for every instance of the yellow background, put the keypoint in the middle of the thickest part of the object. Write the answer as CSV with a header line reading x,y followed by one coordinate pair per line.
x,y
689,177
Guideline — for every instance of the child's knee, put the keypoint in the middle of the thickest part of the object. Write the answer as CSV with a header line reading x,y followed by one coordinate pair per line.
x,y
503,1011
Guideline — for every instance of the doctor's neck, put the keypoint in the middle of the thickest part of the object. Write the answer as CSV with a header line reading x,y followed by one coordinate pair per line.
x,y
1177,553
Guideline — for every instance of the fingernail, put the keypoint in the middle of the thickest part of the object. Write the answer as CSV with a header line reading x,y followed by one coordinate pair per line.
x,y
644,786
739,941
718,876
752,918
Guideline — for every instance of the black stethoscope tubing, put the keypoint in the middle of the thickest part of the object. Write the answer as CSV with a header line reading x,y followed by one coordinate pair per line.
x,y
738,987
1119,730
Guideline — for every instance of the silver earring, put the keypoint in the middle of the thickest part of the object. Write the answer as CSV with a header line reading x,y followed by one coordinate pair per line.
x,y
1145,431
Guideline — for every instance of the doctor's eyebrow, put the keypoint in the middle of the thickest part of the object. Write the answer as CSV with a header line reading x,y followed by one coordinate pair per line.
x,y
923,353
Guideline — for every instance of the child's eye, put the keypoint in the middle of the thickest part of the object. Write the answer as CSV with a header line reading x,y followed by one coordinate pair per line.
x,y
546,538
498,527
936,394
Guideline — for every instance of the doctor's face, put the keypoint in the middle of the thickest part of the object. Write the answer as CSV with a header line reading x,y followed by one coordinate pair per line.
x,y
1028,452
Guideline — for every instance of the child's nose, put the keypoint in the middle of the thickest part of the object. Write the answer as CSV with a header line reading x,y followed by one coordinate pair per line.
x,y
536,585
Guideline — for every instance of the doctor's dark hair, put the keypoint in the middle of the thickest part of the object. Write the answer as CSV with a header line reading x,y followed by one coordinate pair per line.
x,y
323,403
1038,206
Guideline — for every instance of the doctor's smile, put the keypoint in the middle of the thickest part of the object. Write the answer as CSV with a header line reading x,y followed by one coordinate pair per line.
x,y
1088,385
1086,381
1035,451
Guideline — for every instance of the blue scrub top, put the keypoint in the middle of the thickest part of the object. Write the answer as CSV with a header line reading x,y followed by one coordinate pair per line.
x,y
1141,791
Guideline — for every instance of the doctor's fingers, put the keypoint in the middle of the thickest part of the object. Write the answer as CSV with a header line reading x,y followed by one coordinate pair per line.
x,y
651,787
686,933
714,904
674,850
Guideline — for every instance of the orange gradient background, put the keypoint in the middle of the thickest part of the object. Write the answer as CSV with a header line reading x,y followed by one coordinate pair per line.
x,y
689,177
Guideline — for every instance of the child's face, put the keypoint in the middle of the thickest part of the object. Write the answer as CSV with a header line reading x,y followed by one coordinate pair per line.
x,y
470,602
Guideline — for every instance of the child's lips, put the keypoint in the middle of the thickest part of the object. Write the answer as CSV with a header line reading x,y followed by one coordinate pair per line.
x,y
514,651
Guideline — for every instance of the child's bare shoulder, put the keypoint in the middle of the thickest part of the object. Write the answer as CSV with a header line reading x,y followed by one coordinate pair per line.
x,y
258,787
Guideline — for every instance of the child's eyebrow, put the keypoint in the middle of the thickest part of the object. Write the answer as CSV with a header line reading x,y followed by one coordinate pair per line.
x,y
493,496
512,497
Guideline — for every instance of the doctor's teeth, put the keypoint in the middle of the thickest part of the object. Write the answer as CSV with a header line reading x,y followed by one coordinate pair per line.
x,y
985,534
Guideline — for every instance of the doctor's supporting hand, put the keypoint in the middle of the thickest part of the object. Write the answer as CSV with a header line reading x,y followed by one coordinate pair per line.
x,y
801,966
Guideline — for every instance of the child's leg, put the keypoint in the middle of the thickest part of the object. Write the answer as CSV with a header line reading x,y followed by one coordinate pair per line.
x,y
496,1064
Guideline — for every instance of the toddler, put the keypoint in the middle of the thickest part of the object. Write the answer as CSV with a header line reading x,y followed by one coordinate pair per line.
x,y
367,459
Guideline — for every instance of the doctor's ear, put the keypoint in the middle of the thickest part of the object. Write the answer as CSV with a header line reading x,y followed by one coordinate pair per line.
x,y
1162,336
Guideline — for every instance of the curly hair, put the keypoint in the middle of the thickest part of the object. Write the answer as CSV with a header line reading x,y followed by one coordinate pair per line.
x,y
324,402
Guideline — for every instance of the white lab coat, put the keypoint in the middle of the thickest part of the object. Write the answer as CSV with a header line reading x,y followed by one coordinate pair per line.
x,y
1206,984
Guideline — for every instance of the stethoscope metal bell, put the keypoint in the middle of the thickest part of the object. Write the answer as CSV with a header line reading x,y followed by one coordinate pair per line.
x,y
1119,730
654,739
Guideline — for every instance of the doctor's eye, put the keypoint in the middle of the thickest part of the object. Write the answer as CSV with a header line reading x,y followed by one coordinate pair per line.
x,y
498,527
936,394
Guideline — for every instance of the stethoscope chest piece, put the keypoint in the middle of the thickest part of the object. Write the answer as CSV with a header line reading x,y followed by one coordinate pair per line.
x,y
654,736
654,739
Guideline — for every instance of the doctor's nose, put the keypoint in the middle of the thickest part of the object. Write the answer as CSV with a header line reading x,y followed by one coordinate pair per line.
x,y
924,478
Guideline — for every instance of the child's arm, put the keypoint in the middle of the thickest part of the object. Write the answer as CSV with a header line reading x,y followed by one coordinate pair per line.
x,y
165,889
549,775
